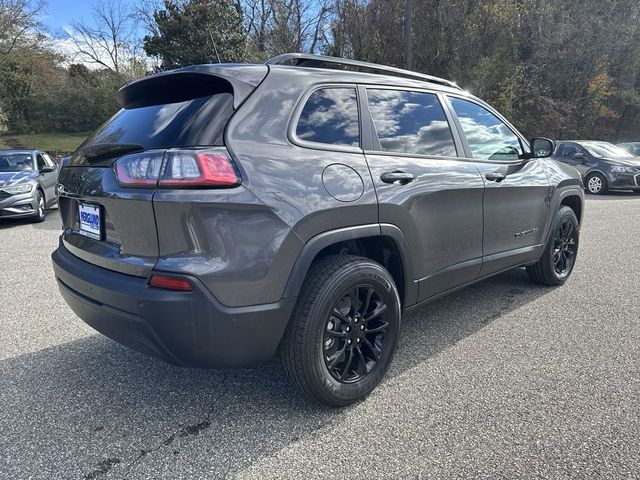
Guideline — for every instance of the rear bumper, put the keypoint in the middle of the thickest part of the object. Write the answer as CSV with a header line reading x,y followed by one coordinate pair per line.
x,y
184,328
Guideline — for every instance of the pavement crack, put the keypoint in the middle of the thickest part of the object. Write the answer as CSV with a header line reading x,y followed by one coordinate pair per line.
x,y
189,430
102,468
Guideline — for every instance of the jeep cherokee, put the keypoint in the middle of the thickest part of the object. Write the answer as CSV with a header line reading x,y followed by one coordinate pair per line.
x,y
229,212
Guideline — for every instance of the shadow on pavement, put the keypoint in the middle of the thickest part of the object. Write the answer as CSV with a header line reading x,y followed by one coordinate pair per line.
x,y
91,408
615,195
52,222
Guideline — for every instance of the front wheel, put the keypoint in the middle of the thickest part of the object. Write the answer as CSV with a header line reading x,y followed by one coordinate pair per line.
x,y
41,208
344,330
559,256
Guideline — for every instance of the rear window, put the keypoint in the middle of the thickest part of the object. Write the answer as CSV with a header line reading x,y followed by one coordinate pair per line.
x,y
197,122
330,116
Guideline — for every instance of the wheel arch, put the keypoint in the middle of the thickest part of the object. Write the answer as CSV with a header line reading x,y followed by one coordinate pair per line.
x,y
593,170
574,201
383,243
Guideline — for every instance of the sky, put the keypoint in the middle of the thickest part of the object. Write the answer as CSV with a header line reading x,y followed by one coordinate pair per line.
x,y
60,13
57,19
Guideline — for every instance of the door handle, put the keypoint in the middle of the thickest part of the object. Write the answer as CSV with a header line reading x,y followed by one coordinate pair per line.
x,y
495,176
397,178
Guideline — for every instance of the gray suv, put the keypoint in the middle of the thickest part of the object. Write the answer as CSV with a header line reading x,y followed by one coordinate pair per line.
x,y
231,212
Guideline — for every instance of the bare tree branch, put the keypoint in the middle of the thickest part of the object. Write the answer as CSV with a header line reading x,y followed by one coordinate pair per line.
x,y
108,38
20,27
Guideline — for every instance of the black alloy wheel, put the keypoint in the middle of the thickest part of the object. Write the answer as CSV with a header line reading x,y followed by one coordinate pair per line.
x,y
344,330
356,334
565,248
560,252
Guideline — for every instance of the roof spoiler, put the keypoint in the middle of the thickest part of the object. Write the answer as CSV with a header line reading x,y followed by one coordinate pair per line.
x,y
192,82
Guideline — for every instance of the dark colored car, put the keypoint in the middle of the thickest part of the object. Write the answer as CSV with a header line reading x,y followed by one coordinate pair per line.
x,y
602,165
633,148
27,184
231,211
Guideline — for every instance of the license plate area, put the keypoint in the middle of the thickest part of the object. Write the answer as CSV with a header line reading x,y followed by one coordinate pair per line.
x,y
90,220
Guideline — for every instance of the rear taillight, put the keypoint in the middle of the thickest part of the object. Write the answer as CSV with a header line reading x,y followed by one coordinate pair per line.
x,y
139,170
212,168
170,283
198,169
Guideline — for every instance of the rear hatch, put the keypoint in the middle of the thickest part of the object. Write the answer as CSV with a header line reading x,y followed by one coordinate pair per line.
x,y
170,124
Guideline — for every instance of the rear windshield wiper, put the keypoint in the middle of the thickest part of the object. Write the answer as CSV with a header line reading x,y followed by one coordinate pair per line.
x,y
101,151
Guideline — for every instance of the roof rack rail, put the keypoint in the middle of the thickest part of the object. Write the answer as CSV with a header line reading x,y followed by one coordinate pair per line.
x,y
317,61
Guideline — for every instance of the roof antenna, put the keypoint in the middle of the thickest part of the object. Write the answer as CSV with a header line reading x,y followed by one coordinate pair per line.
x,y
213,43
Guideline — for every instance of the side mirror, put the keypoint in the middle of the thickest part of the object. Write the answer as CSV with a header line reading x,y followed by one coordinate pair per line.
x,y
541,147
579,156
47,169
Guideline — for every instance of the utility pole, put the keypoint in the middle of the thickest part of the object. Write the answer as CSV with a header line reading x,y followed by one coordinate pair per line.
x,y
408,34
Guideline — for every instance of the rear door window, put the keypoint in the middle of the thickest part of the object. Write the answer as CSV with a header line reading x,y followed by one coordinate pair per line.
x,y
489,137
196,122
330,116
410,122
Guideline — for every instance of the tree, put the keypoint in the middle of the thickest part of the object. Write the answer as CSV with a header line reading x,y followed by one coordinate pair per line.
x,y
280,26
20,28
197,31
108,40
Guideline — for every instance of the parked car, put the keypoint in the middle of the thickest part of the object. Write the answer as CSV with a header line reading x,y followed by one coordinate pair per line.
x,y
603,166
228,212
27,184
633,148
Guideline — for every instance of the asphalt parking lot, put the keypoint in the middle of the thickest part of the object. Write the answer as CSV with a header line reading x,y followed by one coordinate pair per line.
x,y
504,379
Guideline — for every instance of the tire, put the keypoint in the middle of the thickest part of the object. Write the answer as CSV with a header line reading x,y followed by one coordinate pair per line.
x,y
596,184
326,328
563,243
41,208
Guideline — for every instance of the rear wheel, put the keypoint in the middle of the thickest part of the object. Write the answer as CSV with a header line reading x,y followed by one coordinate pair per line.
x,y
596,183
559,256
41,208
344,331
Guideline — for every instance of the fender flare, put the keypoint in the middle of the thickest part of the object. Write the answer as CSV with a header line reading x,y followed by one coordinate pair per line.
x,y
325,239
564,193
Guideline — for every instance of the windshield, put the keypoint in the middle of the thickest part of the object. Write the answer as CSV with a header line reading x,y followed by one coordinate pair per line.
x,y
605,150
15,162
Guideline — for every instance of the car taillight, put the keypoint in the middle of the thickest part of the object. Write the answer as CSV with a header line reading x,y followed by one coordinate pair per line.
x,y
187,168
170,283
139,170
178,169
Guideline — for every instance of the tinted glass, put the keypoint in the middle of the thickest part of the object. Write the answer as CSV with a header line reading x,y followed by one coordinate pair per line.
x,y
410,122
489,138
200,121
15,162
330,116
569,150
40,161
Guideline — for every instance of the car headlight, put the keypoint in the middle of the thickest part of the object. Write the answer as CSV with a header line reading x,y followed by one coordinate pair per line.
x,y
619,169
17,189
